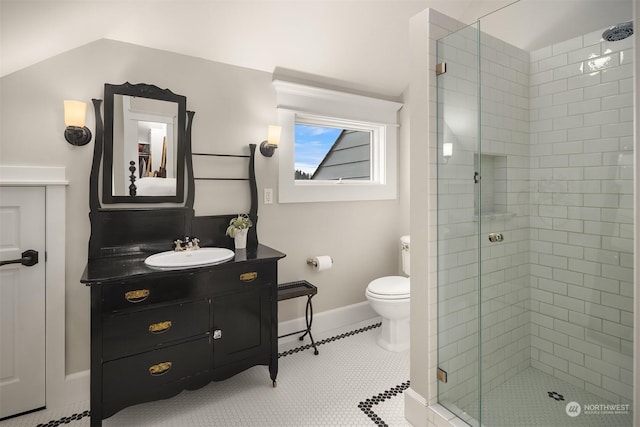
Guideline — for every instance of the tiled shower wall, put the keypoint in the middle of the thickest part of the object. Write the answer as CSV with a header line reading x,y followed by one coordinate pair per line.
x,y
582,215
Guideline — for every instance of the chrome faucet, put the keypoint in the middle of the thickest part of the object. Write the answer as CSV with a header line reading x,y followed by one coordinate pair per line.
x,y
190,244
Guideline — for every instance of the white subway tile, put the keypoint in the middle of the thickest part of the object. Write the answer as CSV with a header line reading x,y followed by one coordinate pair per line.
x,y
589,52
566,353
602,228
594,37
572,304
617,73
570,122
585,160
624,99
567,71
617,129
602,145
567,45
601,283
582,107
553,112
588,375
601,90
617,358
568,95
584,133
554,336
617,387
553,87
602,117
587,267
601,311
541,53
583,81
584,346
616,272
617,301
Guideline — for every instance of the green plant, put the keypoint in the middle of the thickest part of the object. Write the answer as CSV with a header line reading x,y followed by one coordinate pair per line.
x,y
241,222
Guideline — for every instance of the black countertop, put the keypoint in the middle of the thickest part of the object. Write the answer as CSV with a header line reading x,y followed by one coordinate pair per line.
x,y
125,267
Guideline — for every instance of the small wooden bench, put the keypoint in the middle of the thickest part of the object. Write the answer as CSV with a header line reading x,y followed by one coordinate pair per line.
x,y
298,289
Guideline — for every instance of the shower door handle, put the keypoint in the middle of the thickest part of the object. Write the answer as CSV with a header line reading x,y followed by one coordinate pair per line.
x,y
495,237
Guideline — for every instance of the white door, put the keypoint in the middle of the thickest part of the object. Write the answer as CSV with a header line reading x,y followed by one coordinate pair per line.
x,y
22,301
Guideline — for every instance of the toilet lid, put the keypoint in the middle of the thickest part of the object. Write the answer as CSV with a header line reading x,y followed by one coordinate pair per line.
x,y
396,286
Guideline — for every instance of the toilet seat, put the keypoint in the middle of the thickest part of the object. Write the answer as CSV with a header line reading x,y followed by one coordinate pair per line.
x,y
389,288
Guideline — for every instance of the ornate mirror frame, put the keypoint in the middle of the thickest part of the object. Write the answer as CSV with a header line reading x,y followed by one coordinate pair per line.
x,y
151,92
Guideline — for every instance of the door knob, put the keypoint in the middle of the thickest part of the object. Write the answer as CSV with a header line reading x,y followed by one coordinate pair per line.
x,y
29,258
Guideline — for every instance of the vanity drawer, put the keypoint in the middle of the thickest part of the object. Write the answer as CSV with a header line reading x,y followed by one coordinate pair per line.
x,y
248,275
138,294
131,333
154,374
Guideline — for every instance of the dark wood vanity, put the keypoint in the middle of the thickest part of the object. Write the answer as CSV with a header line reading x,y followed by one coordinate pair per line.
x,y
156,332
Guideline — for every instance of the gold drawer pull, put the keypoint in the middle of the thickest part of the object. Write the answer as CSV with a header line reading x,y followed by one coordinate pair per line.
x,y
160,368
160,327
248,277
137,295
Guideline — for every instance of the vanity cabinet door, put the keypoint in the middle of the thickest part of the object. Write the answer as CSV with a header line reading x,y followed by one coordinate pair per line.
x,y
156,374
242,327
131,333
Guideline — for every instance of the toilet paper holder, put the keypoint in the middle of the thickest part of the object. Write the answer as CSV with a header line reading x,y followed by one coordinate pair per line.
x,y
313,262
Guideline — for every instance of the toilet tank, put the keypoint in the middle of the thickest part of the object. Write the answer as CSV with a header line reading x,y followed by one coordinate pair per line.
x,y
404,247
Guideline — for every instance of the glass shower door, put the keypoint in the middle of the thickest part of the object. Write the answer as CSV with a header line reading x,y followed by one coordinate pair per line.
x,y
458,225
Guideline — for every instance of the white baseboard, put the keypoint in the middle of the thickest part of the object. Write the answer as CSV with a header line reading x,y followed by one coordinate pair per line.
x,y
73,389
416,410
328,320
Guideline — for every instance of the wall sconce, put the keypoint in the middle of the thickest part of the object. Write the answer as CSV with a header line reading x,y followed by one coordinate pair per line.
x,y
75,113
268,147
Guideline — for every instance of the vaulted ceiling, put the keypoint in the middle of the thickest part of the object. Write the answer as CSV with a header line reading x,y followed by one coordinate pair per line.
x,y
361,43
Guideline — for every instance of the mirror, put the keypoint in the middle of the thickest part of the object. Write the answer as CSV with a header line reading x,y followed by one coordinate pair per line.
x,y
144,144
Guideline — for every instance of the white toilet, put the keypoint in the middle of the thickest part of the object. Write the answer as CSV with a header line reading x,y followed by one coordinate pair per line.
x,y
389,297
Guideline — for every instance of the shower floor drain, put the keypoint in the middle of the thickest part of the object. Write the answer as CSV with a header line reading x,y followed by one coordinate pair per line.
x,y
555,396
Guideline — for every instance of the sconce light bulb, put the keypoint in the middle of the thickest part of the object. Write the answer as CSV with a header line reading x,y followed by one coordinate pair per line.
x,y
447,149
268,147
273,134
75,113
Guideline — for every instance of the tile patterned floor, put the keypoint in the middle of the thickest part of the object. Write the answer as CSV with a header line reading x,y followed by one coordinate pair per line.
x,y
352,382
533,398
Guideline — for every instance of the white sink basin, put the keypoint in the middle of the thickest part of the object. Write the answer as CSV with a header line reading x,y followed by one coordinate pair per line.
x,y
187,259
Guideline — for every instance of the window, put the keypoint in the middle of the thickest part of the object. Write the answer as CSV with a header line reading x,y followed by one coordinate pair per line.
x,y
335,146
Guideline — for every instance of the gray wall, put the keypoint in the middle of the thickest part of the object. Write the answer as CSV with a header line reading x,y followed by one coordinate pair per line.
x,y
233,107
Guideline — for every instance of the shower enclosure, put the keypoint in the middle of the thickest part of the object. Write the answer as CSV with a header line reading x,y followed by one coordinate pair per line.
x,y
535,225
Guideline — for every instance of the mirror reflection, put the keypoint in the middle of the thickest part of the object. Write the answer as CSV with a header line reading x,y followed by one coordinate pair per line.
x,y
145,132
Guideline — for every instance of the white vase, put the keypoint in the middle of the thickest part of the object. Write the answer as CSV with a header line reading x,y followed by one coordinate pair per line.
x,y
241,238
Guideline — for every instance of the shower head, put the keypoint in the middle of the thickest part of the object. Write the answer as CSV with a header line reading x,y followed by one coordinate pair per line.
x,y
618,32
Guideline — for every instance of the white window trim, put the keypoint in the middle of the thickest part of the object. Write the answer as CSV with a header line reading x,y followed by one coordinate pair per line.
x,y
296,100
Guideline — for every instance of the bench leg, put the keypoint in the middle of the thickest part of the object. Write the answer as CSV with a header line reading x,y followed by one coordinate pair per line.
x,y
308,317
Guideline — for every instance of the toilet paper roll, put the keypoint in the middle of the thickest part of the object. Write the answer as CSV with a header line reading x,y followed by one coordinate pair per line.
x,y
322,262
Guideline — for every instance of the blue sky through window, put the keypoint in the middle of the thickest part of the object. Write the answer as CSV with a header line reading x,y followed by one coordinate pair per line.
x,y
312,145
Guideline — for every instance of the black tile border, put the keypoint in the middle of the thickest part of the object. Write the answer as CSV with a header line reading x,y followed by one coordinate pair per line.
x,y
367,405
555,396
75,417
65,420
328,340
